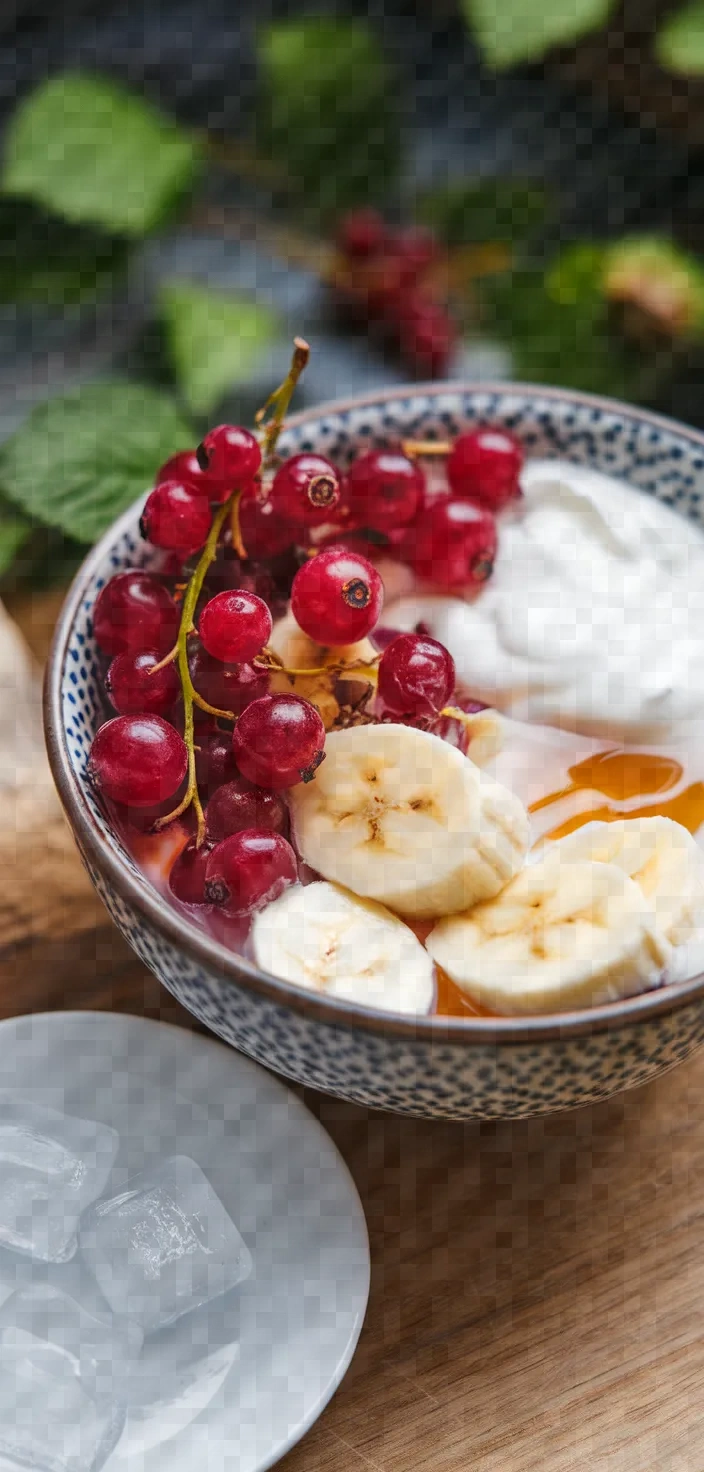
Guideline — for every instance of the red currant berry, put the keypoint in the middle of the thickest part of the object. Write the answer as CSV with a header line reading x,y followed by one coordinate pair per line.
x,y
362,234
249,870
215,762
176,517
416,676
187,877
133,689
235,626
137,760
231,456
427,336
184,467
484,465
226,686
417,250
306,490
337,596
453,544
238,805
384,489
265,533
279,741
134,611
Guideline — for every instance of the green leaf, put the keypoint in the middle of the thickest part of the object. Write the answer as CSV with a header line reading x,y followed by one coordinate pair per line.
x,y
480,211
511,31
14,531
95,153
328,111
81,459
652,276
45,260
558,328
680,43
214,341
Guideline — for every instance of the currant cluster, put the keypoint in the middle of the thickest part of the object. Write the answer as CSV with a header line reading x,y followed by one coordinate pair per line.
x,y
196,733
390,280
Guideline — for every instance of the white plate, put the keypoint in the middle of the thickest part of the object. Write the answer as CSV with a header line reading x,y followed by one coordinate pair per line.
x,y
272,1352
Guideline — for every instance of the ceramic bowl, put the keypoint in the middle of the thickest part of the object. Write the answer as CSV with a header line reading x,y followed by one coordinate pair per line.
x,y
449,1068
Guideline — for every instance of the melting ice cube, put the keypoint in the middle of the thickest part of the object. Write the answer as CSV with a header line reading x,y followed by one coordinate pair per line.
x,y
164,1246
52,1166
63,1379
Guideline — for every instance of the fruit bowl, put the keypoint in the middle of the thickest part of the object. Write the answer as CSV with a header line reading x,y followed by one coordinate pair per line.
x,y
433,1066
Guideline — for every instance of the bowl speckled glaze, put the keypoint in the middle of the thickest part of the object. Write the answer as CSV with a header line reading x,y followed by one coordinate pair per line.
x,y
449,1068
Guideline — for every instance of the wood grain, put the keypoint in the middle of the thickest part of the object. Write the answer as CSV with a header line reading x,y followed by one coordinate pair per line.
x,y
535,1285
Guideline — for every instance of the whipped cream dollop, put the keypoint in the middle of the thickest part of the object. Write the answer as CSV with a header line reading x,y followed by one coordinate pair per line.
x,y
593,619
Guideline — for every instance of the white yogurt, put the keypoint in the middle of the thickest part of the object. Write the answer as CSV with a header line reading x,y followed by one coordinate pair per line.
x,y
593,619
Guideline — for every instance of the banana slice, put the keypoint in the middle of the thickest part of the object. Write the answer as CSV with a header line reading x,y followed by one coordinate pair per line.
x,y
399,816
299,652
561,935
324,938
660,855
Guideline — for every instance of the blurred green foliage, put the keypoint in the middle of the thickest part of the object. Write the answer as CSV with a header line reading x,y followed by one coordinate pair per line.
x,y
214,340
328,114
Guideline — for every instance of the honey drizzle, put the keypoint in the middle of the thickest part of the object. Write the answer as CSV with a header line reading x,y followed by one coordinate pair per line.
x,y
619,776
623,775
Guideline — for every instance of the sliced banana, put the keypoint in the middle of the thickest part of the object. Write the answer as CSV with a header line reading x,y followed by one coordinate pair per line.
x,y
561,935
299,652
325,938
660,855
400,816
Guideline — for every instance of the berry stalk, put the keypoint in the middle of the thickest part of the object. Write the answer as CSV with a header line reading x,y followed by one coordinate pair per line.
x,y
190,695
277,405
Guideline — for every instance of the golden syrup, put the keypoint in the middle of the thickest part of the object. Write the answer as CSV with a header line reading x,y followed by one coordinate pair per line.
x,y
621,776
451,1001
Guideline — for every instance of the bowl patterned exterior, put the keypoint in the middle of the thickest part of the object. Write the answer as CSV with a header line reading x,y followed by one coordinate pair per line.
x,y
449,1068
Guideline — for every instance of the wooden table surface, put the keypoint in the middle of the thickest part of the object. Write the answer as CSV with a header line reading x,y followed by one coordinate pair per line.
x,y
535,1302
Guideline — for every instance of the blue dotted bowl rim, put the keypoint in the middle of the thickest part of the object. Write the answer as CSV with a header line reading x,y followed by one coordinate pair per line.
x,y
206,951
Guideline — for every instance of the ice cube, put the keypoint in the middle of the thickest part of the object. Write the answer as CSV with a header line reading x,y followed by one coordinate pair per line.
x,y
52,1166
164,1246
63,1382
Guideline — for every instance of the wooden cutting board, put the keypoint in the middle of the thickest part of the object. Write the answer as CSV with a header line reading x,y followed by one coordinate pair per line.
x,y
536,1285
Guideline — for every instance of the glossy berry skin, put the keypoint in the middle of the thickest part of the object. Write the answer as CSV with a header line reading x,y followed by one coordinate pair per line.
x,y
134,611
279,741
238,805
362,234
229,687
384,490
453,544
248,870
137,760
234,626
337,596
484,466
187,877
416,676
215,762
231,456
306,490
184,467
133,689
265,532
176,517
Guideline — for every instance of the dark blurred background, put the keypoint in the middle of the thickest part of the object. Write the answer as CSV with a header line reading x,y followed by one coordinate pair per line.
x,y
181,191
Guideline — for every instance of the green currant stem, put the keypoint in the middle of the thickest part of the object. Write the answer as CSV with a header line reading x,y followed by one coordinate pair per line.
x,y
277,404
191,696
